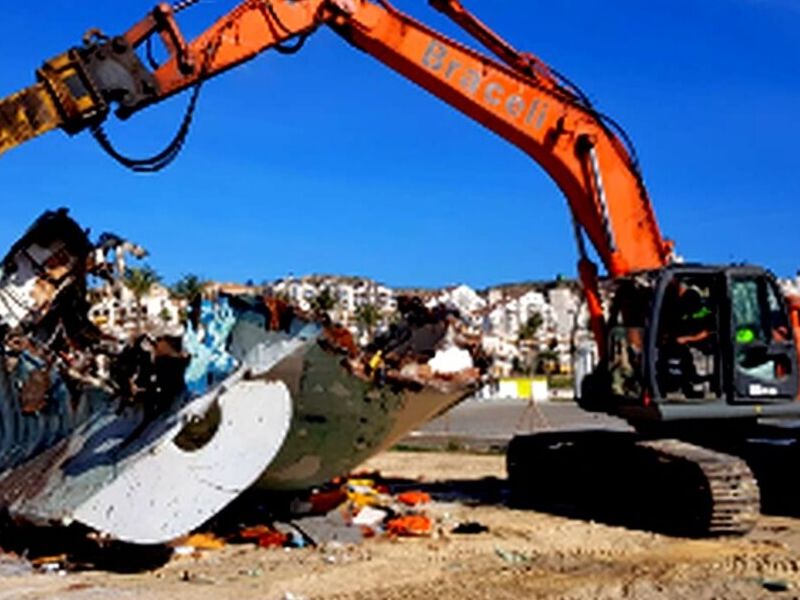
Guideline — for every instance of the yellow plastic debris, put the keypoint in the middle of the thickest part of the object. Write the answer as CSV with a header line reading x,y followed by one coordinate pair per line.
x,y
201,541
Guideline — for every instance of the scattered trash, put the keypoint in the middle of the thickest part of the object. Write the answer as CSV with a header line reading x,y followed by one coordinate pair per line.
x,y
414,498
775,585
14,566
470,528
199,541
264,536
410,526
511,556
333,527
296,540
188,577
50,564
323,502
370,517
362,492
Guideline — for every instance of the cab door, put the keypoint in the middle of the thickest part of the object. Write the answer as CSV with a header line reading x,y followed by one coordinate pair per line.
x,y
763,354
687,356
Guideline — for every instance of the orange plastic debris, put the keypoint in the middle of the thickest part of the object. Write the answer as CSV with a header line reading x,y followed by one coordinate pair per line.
x,y
414,498
409,526
264,536
367,532
273,539
254,532
201,541
48,560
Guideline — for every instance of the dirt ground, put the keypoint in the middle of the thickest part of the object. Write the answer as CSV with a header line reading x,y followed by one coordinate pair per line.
x,y
525,554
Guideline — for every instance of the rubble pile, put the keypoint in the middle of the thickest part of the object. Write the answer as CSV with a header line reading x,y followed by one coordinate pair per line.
x,y
426,345
57,365
144,432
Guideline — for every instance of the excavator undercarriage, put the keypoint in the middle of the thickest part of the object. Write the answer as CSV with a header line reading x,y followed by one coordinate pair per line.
x,y
666,485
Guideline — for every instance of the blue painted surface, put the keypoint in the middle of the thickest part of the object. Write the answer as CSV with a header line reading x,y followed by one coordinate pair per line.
x,y
208,346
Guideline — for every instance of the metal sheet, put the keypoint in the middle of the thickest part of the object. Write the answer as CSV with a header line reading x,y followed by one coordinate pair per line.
x,y
146,438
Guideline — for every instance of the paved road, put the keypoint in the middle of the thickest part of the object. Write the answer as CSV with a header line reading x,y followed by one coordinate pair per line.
x,y
496,422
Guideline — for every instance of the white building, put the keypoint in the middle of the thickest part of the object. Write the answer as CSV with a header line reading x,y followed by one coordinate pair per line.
x,y
350,295
791,287
565,304
503,353
506,316
465,300
116,310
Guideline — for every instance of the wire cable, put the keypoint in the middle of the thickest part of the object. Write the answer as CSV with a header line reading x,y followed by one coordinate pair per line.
x,y
159,161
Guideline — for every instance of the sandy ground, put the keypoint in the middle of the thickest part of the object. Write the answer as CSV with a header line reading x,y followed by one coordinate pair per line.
x,y
525,554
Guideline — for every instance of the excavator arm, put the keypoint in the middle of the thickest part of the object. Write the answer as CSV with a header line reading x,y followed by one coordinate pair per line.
x,y
518,97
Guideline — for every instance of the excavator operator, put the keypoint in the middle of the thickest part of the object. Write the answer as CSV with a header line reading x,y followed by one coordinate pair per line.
x,y
689,345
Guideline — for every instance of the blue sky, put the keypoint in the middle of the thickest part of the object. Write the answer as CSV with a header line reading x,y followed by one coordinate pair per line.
x,y
329,162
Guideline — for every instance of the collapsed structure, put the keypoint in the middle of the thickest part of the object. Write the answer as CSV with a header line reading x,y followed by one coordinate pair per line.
x,y
144,437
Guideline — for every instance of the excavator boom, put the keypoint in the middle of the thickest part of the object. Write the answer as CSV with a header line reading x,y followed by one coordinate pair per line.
x,y
521,100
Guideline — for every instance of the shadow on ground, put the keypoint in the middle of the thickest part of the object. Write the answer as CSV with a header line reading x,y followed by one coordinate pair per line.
x,y
76,548
599,479
602,478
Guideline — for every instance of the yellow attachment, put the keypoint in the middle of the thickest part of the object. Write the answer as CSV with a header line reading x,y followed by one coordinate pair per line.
x,y
26,115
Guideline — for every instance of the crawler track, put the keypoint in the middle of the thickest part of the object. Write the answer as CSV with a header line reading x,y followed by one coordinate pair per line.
x,y
665,485
732,499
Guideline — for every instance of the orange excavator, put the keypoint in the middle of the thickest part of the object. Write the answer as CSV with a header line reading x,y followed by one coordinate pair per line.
x,y
691,352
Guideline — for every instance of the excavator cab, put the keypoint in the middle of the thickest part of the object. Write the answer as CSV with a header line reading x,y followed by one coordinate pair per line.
x,y
695,342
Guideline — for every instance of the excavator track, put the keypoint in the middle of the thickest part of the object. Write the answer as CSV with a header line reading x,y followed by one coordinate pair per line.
x,y
665,485
732,493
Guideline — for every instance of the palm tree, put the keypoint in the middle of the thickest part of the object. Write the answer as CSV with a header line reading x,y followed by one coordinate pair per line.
x,y
188,287
140,280
324,301
531,327
368,316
